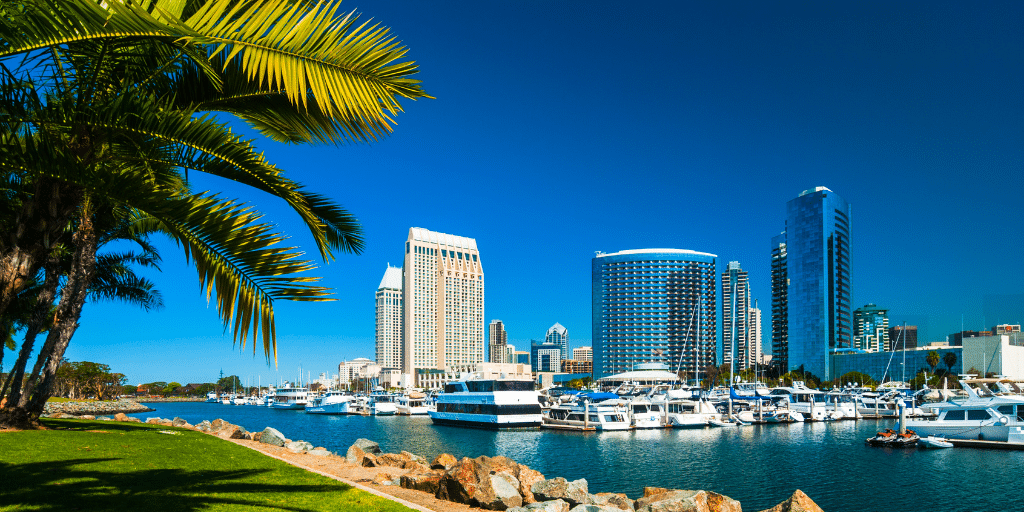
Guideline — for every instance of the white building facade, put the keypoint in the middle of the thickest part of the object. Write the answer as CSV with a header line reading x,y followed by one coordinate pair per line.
x,y
389,329
583,354
443,300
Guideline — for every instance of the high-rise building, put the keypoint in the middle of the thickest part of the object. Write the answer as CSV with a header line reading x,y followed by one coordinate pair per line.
x,y
546,356
388,339
902,336
818,293
559,335
653,306
583,354
780,307
444,301
871,328
754,336
736,349
498,340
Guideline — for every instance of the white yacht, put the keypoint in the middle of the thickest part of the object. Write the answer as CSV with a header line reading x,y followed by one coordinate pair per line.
x,y
811,403
333,402
411,404
382,403
290,398
983,415
493,404
683,413
606,413
212,398
644,413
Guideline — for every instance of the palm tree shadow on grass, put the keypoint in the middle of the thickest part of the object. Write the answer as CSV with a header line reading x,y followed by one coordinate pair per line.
x,y
67,485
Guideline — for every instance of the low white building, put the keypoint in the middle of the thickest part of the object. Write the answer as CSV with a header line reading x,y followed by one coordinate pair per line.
x,y
358,369
1002,355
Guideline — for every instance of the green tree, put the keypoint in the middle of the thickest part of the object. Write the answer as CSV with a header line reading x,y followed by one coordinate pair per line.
x,y
949,360
231,382
932,358
108,106
129,389
170,389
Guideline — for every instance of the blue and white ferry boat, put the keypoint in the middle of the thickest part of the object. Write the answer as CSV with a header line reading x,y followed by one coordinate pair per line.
x,y
490,404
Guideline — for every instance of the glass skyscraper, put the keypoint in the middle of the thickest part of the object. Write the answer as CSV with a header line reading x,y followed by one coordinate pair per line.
x,y
736,347
653,305
817,276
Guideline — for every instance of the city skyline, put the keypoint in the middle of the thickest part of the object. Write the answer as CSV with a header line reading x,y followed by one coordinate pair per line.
x,y
911,112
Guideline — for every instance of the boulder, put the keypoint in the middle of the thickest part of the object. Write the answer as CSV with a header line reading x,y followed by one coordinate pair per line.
x,y
594,508
392,459
575,492
298,446
229,431
178,422
416,467
426,482
120,417
413,457
87,417
153,421
203,426
256,436
798,502
485,482
528,477
613,499
104,418
132,419
444,461
217,424
383,479
369,460
677,500
543,506
272,436
367,446
320,452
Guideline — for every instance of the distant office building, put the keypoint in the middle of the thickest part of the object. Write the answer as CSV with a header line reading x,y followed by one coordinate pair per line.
x,y
871,328
574,366
818,293
388,335
510,351
359,369
1005,329
521,357
583,353
444,301
902,336
546,356
780,306
736,349
653,306
754,336
498,341
957,338
559,335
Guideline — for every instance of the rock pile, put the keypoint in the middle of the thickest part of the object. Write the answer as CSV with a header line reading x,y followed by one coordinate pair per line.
x,y
73,409
499,483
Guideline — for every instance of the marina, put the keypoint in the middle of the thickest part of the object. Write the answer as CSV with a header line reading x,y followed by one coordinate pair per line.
x,y
754,464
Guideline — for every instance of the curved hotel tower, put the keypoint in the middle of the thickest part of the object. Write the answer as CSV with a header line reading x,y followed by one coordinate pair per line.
x,y
389,319
653,305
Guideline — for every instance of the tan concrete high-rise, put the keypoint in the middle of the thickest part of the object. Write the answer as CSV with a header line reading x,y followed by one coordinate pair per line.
x,y
444,301
389,319
498,341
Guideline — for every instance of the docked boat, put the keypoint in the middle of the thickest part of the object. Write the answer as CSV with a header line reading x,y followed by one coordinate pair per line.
x,y
983,414
814,405
683,413
933,442
333,402
583,415
294,398
411,404
212,398
644,414
382,403
492,404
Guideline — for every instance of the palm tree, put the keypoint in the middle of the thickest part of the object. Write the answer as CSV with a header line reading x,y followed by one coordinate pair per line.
x,y
949,359
109,105
932,358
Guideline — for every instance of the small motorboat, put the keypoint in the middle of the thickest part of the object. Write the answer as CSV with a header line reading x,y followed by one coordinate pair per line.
x,y
934,442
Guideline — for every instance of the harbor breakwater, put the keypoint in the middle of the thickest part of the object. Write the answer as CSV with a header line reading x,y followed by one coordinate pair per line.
x,y
92,408
488,483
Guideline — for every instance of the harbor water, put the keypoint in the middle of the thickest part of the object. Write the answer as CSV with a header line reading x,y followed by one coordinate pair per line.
x,y
758,465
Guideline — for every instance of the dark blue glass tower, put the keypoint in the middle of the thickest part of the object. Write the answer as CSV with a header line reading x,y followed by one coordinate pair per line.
x,y
654,306
818,295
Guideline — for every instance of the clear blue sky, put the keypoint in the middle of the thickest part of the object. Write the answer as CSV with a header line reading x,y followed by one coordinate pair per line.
x,y
564,128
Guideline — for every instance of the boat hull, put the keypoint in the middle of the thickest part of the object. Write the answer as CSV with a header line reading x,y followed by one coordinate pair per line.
x,y
485,421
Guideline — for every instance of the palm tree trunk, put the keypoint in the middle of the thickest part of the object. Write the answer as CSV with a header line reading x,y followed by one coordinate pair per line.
x,y
69,310
43,302
25,413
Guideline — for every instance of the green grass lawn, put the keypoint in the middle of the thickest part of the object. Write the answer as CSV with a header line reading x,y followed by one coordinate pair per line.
x,y
106,465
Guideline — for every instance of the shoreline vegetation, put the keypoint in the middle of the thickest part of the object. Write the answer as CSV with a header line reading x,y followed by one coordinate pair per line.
x,y
412,481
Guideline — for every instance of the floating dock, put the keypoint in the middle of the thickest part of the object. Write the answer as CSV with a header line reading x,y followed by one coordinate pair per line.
x,y
989,445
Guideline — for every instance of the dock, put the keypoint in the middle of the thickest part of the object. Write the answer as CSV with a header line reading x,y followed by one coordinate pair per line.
x,y
568,427
989,445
